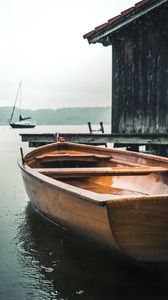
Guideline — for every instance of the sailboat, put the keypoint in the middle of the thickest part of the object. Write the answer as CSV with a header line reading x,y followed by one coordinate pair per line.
x,y
24,122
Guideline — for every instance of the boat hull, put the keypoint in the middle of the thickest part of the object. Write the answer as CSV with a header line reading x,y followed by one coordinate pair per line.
x,y
70,210
15,125
135,225
140,227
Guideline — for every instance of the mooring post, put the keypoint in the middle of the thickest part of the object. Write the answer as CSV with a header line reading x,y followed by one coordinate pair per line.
x,y
90,127
101,127
22,158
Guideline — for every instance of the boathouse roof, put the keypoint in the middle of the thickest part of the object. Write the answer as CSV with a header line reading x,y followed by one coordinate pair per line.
x,y
102,32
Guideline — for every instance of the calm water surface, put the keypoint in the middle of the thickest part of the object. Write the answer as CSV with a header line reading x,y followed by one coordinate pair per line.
x,y
41,261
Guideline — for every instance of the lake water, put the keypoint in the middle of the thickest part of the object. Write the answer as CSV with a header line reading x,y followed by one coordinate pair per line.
x,y
41,261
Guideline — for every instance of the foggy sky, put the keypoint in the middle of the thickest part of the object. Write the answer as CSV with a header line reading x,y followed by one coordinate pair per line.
x,y
42,44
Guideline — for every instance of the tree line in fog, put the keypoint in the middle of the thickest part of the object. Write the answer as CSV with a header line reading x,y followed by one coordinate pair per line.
x,y
61,116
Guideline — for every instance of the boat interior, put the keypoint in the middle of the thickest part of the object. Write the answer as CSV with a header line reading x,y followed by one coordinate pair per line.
x,y
112,172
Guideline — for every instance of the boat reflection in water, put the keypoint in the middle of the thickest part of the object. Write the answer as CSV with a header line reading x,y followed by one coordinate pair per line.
x,y
59,265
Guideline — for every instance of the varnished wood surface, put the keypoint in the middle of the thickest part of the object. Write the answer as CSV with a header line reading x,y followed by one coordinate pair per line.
x,y
70,209
100,188
107,171
124,156
140,227
117,198
74,157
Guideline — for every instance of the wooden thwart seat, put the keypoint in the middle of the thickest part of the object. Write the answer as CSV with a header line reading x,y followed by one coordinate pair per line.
x,y
101,171
83,157
125,162
70,157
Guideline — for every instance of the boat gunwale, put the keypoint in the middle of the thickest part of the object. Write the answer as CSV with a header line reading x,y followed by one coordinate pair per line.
x,y
125,153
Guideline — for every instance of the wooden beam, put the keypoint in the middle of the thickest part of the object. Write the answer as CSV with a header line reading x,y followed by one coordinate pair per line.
x,y
84,172
71,157
98,139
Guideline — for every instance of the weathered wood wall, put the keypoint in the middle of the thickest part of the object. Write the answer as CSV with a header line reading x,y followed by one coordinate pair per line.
x,y
140,75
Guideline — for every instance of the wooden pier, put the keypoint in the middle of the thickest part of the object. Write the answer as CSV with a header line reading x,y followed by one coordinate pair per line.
x,y
152,142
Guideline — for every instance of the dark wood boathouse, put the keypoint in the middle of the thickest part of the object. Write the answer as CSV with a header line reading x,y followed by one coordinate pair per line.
x,y
139,40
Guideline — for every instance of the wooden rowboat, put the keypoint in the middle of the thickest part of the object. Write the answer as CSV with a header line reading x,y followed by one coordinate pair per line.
x,y
117,198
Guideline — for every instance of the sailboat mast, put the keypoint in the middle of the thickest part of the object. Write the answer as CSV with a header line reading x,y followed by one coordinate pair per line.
x,y
20,96
15,102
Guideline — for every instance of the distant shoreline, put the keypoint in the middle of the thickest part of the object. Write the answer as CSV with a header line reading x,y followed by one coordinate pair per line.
x,y
61,116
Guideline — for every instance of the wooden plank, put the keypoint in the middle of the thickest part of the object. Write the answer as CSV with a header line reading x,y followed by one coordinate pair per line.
x,y
71,157
126,163
139,226
86,138
116,171
83,157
